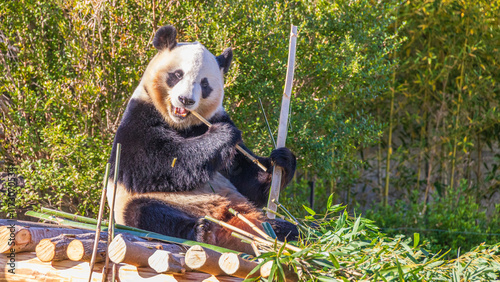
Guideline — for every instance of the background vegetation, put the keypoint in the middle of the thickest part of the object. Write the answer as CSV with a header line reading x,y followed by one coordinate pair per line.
x,y
395,106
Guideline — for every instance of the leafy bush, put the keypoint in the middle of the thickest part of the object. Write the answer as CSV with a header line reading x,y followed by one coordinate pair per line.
x,y
455,223
338,247
71,67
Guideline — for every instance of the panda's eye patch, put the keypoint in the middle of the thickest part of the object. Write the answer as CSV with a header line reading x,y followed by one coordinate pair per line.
x,y
205,88
174,77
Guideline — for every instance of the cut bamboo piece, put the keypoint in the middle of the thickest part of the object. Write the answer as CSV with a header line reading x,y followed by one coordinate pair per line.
x,y
283,125
204,260
251,236
238,147
249,223
164,261
26,238
81,250
236,266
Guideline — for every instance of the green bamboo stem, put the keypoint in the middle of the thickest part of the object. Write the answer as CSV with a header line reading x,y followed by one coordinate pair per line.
x,y
64,222
279,215
84,219
267,123
137,232
286,211
457,117
389,141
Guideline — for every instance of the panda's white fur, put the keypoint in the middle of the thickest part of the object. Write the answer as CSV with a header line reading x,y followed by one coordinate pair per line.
x,y
189,57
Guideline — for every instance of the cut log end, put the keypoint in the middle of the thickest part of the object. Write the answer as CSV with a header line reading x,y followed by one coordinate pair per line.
x,y
75,250
164,261
196,257
117,249
236,266
204,260
45,250
23,236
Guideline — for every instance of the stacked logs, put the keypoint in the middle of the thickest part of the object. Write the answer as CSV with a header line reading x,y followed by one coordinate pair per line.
x,y
56,244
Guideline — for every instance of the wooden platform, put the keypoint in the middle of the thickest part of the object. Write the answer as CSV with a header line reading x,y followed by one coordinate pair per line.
x,y
30,268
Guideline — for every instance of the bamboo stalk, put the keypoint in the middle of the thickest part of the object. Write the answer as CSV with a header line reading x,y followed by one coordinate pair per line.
x,y
249,241
286,211
84,219
283,124
267,123
74,217
251,236
111,227
279,215
253,226
389,141
99,221
60,221
238,147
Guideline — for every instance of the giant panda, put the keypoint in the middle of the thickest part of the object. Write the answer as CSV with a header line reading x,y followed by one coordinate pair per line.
x,y
174,169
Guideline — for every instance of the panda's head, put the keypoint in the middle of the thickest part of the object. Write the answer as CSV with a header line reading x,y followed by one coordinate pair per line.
x,y
185,77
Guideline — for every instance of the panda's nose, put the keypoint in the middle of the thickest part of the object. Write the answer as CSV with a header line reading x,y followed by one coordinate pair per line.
x,y
186,101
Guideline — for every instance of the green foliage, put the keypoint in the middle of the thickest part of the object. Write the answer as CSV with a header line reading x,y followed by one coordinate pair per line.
x,y
71,67
338,247
451,223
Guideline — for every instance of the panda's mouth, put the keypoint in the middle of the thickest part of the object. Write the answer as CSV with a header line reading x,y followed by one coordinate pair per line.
x,y
180,112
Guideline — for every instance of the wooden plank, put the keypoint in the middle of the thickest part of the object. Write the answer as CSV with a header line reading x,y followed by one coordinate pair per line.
x,y
29,268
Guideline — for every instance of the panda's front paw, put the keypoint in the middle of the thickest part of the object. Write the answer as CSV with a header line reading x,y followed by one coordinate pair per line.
x,y
205,231
284,158
227,132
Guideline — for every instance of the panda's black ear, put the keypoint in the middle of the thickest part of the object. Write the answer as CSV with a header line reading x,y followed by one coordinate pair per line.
x,y
165,38
224,59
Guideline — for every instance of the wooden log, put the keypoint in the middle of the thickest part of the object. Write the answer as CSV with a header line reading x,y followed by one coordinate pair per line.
x,y
55,249
236,266
164,261
81,250
52,249
204,260
28,268
122,250
26,238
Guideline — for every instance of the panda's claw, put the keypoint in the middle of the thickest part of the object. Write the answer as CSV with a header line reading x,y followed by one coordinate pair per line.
x,y
205,231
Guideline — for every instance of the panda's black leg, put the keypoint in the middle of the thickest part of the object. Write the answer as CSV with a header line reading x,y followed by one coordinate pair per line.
x,y
157,216
284,230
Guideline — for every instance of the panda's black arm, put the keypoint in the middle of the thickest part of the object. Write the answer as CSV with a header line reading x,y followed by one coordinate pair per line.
x,y
248,178
254,183
150,148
